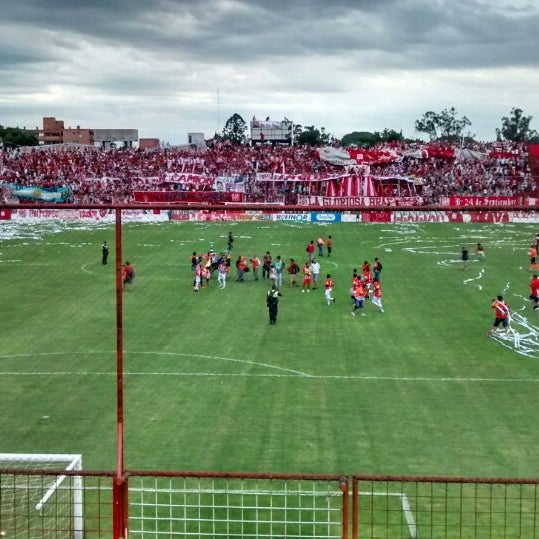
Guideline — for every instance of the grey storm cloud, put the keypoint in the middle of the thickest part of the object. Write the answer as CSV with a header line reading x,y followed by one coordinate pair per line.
x,y
451,33
117,58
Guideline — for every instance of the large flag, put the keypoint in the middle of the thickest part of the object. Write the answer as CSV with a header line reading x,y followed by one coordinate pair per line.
x,y
533,159
57,194
369,190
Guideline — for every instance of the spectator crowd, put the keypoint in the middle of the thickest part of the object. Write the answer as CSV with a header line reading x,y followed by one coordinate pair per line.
x,y
97,175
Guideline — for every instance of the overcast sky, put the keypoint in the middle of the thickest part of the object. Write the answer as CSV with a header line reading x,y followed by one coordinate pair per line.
x,y
171,67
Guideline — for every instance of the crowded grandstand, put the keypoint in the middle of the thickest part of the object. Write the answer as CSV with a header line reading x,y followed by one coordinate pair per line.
x,y
422,173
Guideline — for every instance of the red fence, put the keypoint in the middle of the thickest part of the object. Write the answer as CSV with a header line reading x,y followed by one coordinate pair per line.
x,y
40,504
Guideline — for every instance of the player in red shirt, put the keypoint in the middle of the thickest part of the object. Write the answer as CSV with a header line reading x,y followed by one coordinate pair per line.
x,y
206,275
356,280
359,298
533,258
255,264
310,250
128,276
534,292
293,270
266,265
328,288
368,280
501,313
306,277
377,299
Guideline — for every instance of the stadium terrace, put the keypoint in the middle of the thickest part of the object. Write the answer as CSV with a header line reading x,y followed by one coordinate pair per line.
x,y
222,172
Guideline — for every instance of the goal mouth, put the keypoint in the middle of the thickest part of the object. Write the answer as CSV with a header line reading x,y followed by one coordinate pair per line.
x,y
36,498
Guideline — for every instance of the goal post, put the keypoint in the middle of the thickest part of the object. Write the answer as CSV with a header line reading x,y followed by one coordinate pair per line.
x,y
49,504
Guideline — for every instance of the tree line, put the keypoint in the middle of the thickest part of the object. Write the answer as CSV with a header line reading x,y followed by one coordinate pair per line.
x,y
444,126
15,137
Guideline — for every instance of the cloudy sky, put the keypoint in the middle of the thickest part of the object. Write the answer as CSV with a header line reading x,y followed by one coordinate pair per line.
x,y
168,67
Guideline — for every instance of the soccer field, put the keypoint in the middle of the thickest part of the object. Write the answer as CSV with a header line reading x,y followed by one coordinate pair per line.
x,y
210,385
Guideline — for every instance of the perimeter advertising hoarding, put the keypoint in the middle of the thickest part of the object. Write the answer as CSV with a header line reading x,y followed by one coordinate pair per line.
x,y
96,215
296,217
155,215
326,217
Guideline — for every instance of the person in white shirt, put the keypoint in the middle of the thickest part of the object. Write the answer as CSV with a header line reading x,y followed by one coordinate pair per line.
x,y
222,270
315,268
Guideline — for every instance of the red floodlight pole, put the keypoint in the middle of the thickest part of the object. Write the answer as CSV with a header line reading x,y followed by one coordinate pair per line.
x,y
120,485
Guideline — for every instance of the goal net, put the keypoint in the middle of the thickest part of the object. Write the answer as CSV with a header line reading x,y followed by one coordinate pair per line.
x,y
35,502
234,508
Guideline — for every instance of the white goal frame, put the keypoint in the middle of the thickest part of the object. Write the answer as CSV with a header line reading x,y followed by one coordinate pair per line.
x,y
29,461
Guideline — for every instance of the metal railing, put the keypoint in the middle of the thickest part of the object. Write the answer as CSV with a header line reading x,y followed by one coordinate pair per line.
x,y
204,505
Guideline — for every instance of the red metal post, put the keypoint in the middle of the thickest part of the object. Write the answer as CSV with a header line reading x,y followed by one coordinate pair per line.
x,y
355,508
343,483
120,508
120,484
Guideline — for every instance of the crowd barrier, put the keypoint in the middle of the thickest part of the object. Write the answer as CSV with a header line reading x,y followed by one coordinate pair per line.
x,y
43,503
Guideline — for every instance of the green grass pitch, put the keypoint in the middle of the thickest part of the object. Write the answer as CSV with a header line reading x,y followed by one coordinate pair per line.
x,y
210,385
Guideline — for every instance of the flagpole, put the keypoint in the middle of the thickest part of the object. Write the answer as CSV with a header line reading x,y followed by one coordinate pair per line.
x,y
218,109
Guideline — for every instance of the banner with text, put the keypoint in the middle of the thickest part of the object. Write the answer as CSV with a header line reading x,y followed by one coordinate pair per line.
x,y
188,196
307,200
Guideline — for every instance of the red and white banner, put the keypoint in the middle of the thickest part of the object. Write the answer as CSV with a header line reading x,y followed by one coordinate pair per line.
x,y
506,202
108,216
393,154
224,215
349,201
351,186
188,196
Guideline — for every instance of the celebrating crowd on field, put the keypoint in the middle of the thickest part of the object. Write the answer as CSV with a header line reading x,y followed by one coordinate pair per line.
x,y
97,175
365,285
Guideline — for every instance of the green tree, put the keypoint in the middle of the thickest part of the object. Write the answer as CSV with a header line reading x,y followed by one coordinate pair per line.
x,y
390,135
362,139
235,130
13,136
312,136
516,127
443,125
366,139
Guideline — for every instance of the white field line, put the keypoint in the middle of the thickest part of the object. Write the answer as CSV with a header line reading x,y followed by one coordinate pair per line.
x,y
287,373
405,503
417,379
409,516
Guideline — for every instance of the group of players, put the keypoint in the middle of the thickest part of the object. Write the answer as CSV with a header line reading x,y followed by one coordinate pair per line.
x,y
364,285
